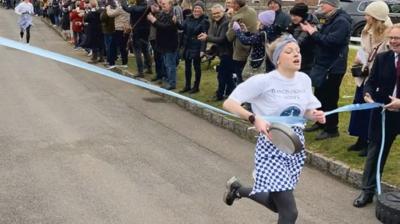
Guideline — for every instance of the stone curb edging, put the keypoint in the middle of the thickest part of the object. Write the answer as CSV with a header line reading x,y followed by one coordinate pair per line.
x,y
335,168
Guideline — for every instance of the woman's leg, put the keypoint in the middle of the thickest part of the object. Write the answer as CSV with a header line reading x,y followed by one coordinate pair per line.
x,y
286,205
197,72
264,198
28,34
21,34
188,73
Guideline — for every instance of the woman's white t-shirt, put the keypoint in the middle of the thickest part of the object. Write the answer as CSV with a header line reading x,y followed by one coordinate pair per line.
x,y
24,7
272,94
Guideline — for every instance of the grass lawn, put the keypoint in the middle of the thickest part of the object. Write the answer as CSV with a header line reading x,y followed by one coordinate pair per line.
x,y
334,148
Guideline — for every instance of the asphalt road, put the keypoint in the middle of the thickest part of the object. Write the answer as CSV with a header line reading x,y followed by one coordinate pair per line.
x,y
76,147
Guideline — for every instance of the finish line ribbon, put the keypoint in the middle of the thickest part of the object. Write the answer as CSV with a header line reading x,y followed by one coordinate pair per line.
x,y
281,119
80,64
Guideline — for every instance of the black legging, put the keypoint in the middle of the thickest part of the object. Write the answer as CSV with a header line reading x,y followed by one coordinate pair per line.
x,y
281,202
28,34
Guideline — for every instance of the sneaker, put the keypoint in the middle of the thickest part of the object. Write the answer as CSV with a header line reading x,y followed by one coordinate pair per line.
x,y
363,152
217,98
123,66
92,62
325,135
184,90
155,79
168,87
90,53
139,75
109,67
230,195
194,90
314,127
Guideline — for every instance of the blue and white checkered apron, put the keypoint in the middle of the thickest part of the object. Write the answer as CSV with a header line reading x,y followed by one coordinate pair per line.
x,y
275,170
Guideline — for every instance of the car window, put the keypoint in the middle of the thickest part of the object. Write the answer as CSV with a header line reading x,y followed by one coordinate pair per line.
x,y
394,7
363,5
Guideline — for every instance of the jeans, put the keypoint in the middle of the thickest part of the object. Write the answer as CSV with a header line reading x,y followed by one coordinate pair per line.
x,y
140,47
121,40
225,81
158,61
110,48
78,37
169,59
188,72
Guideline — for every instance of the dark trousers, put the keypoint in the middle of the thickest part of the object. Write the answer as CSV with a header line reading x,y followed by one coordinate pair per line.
x,y
238,67
158,61
225,81
369,175
328,95
121,40
282,202
140,47
188,72
28,34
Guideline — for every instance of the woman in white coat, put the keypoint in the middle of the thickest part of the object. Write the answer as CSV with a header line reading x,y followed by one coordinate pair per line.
x,y
25,10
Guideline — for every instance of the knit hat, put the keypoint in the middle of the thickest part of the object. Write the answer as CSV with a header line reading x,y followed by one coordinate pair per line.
x,y
200,4
267,17
300,9
378,10
334,3
279,2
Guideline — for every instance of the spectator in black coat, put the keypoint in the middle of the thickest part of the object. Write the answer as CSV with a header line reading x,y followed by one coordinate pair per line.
x,y
140,34
299,14
193,49
332,47
166,40
382,86
94,35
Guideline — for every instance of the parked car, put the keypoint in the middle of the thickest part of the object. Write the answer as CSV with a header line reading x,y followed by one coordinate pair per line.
x,y
355,8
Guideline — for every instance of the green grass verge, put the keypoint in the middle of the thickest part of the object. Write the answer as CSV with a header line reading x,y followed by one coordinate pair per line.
x,y
333,148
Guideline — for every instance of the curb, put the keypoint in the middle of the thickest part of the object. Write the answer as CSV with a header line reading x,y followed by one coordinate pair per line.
x,y
327,165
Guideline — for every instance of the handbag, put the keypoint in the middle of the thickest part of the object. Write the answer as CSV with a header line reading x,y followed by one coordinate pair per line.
x,y
357,69
248,69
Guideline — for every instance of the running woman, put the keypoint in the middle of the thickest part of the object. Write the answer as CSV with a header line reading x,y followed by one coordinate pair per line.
x,y
282,92
25,9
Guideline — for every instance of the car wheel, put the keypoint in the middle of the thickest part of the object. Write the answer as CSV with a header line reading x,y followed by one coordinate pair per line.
x,y
357,31
388,208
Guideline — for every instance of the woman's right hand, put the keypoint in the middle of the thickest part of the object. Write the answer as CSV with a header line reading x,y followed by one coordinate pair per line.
x,y
368,98
357,61
262,126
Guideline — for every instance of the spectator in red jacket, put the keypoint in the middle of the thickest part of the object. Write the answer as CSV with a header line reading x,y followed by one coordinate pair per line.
x,y
76,18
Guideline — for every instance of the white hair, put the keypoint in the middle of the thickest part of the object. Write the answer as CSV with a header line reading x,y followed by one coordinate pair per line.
x,y
218,6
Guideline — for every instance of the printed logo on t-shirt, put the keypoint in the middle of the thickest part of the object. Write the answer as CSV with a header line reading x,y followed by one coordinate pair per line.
x,y
291,111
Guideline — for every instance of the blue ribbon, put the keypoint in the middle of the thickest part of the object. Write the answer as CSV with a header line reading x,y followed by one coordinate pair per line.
x,y
378,165
290,120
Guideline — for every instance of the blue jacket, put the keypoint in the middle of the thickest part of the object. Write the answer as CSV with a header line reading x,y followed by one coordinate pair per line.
x,y
332,43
